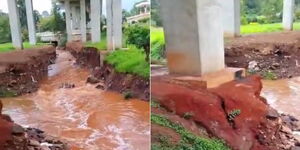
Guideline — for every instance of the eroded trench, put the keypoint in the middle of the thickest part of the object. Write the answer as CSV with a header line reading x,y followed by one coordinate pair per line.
x,y
86,117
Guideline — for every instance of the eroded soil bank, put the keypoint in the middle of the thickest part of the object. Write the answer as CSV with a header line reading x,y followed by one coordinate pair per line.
x,y
22,70
87,118
272,55
105,76
234,112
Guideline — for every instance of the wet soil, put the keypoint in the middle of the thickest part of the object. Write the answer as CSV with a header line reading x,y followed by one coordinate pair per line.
x,y
278,53
87,118
22,70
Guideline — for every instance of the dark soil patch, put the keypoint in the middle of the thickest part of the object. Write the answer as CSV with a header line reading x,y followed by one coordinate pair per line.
x,y
21,70
275,53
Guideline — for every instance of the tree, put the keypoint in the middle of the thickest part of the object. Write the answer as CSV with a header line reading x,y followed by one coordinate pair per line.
x,y
4,29
155,13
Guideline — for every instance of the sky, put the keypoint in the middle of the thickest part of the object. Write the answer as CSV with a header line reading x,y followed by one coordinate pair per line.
x,y
45,5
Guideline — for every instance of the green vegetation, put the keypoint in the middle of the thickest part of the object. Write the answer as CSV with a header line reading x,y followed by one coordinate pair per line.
x,y
139,35
7,93
189,141
127,95
130,61
157,42
9,47
264,28
269,75
234,113
102,45
155,104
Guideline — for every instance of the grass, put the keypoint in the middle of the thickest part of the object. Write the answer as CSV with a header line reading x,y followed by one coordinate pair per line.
x,y
5,47
102,45
189,141
157,42
130,61
265,28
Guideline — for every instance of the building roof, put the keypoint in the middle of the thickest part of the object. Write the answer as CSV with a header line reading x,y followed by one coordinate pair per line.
x,y
142,3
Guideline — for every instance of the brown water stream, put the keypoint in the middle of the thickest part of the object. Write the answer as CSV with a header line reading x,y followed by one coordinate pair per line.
x,y
86,117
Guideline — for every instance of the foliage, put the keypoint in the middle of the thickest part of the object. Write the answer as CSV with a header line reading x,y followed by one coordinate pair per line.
x,y
154,104
269,75
157,44
129,61
7,93
155,13
4,29
102,45
189,141
5,47
127,95
139,35
63,39
234,113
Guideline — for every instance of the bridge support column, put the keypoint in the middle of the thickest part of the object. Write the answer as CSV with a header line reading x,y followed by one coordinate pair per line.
x,y
288,14
95,20
14,22
83,20
231,17
68,20
114,24
194,36
30,22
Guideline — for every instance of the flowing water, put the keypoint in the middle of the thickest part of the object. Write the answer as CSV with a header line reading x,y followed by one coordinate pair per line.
x,y
86,117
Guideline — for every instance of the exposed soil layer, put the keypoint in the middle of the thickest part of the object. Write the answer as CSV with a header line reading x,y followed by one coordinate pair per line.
x,y
15,137
127,84
131,86
234,112
273,52
85,56
21,70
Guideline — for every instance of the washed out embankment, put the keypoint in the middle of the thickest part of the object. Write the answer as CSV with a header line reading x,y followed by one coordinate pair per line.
x,y
22,70
125,83
20,73
234,112
271,55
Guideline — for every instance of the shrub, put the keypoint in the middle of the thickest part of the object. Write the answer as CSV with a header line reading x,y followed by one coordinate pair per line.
x,y
139,35
63,39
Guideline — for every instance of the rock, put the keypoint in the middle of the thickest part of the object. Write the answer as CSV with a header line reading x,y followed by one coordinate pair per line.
x,y
67,85
34,143
17,130
92,80
296,148
286,129
253,65
272,114
100,86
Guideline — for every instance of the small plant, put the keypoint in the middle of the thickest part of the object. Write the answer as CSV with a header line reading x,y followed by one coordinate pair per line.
x,y
127,95
155,104
269,75
188,115
7,93
234,113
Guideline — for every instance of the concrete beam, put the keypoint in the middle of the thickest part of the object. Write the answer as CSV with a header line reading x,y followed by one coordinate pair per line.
x,y
14,22
231,17
83,20
288,14
68,20
30,22
95,20
114,24
194,36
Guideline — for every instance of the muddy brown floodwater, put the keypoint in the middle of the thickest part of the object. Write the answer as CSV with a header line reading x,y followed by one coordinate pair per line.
x,y
86,117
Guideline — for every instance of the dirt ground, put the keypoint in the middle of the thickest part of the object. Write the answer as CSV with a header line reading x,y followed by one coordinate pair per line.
x,y
271,54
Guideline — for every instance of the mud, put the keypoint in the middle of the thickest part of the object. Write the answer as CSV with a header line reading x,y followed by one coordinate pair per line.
x,y
278,53
22,70
131,85
234,112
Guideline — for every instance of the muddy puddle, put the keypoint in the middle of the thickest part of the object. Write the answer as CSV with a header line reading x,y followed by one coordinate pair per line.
x,y
86,117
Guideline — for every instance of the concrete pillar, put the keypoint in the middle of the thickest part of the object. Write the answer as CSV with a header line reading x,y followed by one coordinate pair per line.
x,y
30,22
288,14
83,20
95,20
194,36
14,22
231,17
114,24
68,20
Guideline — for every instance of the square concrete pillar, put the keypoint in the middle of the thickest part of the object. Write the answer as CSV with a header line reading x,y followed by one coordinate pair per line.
x,y
68,20
30,22
95,20
288,14
231,17
114,24
14,22
194,36
83,20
